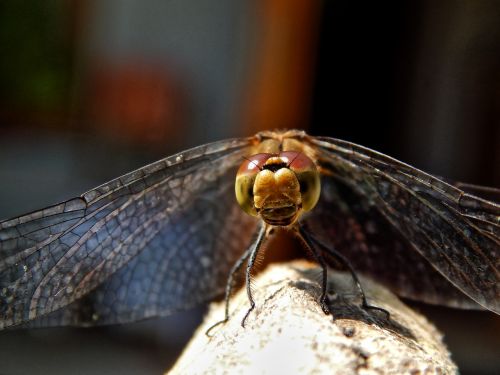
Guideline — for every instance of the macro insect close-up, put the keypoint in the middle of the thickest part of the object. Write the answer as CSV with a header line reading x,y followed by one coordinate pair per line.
x,y
184,172
118,252
124,251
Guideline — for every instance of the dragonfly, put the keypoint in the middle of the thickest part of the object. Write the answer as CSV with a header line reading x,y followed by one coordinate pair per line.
x,y
166,237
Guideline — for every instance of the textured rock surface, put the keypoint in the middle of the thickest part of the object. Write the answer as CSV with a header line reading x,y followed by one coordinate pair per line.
x,y
288,333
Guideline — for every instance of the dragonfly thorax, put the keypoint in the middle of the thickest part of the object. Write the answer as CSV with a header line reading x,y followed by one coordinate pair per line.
x,y
277,188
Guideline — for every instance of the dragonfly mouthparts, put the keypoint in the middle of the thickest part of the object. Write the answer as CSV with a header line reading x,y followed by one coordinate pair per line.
x,y
280,216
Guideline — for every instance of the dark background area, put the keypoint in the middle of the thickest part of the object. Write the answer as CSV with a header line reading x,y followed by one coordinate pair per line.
x,y
90,90
419,81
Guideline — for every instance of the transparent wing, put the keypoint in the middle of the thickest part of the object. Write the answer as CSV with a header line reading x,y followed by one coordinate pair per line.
x,y
151,242
378,211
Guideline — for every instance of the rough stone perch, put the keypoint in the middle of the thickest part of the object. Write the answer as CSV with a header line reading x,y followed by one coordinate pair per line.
x,y
288,333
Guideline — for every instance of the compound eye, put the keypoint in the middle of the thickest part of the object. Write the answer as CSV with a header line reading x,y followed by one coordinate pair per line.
x,y
308,176
245,179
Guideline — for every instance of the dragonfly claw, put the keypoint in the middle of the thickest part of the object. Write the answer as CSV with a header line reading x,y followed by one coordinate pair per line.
x,y
246,315
210,329
387,314
325,307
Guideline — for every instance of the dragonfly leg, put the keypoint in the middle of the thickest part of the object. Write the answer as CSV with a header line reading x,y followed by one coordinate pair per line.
x,y
335,254
323,299
253,255
230,281
229,288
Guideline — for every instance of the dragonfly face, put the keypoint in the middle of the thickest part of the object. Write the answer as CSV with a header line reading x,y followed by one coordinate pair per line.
x,y
278,187
164,238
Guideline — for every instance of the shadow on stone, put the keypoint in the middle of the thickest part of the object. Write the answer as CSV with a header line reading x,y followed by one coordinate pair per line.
x,y
345,302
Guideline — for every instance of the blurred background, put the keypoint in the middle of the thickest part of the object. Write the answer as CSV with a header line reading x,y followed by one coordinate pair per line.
x,y
90,90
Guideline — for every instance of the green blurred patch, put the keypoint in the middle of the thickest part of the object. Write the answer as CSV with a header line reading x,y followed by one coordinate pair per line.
x,y
36,49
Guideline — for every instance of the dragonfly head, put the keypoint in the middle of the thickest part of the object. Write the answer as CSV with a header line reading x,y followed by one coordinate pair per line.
x,y
277,188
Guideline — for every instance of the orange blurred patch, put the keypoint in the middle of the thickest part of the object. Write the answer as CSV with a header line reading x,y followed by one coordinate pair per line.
x,y
280,85
136,102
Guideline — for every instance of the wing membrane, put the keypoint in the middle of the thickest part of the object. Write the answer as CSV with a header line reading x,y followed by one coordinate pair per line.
x,y
126,249
458,234
163,238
